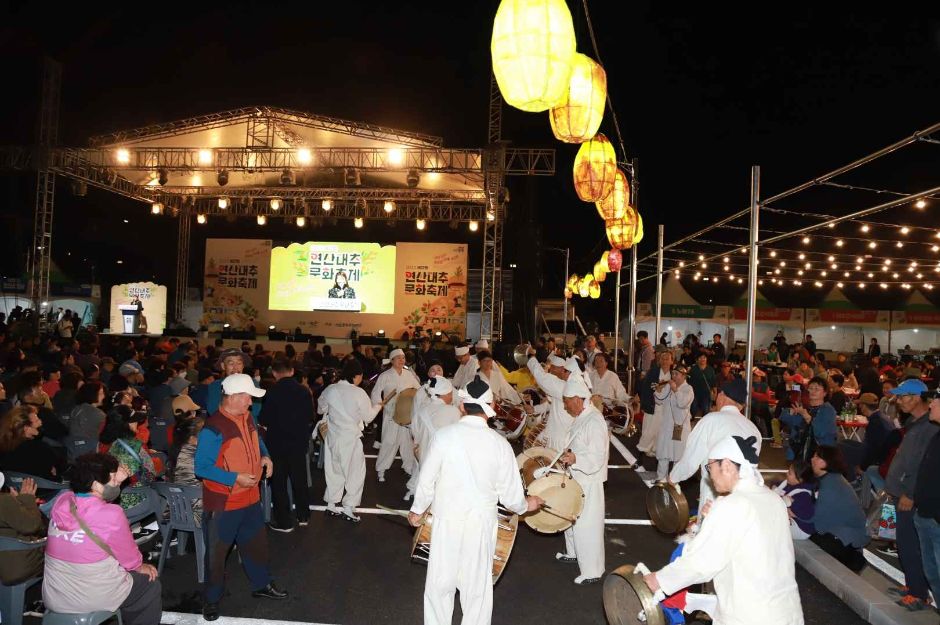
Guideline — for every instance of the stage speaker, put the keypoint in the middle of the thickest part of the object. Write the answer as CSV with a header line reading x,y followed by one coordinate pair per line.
x,y
277,336
373,340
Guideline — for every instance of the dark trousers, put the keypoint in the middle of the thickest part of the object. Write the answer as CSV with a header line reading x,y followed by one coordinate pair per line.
x,y
851,557
702,403
245,528
294,466
912,562
144,605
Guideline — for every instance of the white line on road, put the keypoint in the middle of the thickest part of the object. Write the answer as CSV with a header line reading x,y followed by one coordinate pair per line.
x,y
182,618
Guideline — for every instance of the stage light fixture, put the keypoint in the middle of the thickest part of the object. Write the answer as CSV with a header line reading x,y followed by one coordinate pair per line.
x,y
396,156
275,204
286,178
222,178
123,156
389,206
301,222
156,208
381,333
205,157
421,224
327,205
162,176
223,203
200,218
272,327
490,216
412,178
474,226
262,220
304,156
351,177
357,222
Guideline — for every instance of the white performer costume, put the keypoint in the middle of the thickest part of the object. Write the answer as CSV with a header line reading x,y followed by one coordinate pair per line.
x,y
559,421
466,470
395,438
744,546
467,370
609,387
651,422
713,427
347,411
502,390
676,412
589,441
434,414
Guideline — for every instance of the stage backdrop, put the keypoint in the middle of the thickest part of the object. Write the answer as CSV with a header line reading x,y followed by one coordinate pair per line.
x,y
153,298
395,288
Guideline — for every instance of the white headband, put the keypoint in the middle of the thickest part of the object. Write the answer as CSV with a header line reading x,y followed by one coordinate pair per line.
x,y
556,361
442,386
462,351
575,387
483,400
395,353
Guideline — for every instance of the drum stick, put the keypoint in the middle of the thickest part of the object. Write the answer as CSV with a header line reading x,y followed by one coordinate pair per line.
x,y
401,513
389,398
547,508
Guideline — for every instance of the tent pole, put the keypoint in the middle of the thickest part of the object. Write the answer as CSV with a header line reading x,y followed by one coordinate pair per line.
x,y
631,342
659,283
890,324
752,282
617,325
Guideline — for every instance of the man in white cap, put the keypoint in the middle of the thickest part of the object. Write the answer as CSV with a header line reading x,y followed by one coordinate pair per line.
x,y
728,420
395,438
436,412
468,366
587,450
465,471
502,391
230,460
482,344
347,411
743,545
553,384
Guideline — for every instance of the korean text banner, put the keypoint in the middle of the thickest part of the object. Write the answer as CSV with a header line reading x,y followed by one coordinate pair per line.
x,y
152,297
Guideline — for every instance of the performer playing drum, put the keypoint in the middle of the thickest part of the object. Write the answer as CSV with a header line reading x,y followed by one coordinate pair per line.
x,y
395,438
466,470
435,413
587,452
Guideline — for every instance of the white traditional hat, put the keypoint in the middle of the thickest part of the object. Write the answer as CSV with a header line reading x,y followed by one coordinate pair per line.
x,y
483,344
575,387
741,451
439,385
478,392
462,351
395,353
556,361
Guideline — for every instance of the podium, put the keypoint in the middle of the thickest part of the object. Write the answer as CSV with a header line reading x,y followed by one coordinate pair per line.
x,y
129,313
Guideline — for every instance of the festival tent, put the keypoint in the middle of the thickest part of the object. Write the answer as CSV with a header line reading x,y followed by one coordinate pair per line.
x,y
917,324
768,320
681,315
839,325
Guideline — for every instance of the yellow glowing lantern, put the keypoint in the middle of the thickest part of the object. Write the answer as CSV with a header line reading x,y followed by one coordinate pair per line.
x,y
595,169
568,293
573,280
579,115
613,205
639,228
533,46
600,271
584,285
594,289
621,233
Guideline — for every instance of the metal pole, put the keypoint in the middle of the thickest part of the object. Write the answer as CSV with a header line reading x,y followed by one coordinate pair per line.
x,y
752,282
565,323
890,324
659,283
632,316
617,325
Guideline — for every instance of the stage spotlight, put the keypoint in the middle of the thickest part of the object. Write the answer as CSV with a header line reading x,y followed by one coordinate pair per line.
x,y
222,178
389,206
396,156
327,205
271,327
304,156
381,333
205,157
490,216
421,224
357,222
262,220
162,176
286,178
301,222
226,325
200,218
123,156
156,208
275,204
474,226
437,334
223,203
351,177
412,178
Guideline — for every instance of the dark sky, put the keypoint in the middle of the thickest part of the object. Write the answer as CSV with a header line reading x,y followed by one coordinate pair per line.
x,y
701,94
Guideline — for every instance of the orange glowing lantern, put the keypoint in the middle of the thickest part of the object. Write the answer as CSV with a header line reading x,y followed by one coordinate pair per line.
x,y
613,206
614,260
594,289
621,233
579,115
595,169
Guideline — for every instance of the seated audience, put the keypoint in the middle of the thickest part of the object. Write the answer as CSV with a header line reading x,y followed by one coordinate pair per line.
x,y
22,449
799,493
20,519
839,519
121,434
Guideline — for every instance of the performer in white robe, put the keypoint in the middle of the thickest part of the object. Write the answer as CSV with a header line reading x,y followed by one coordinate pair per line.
x,y
468,366
347,411
727,421
650,433
465,472
591,349
587,452
395,438
606,383
436,412
501,389
676,399
553,384
744,545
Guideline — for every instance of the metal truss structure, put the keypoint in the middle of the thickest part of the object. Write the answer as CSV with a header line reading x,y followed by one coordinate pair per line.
x,y
317,173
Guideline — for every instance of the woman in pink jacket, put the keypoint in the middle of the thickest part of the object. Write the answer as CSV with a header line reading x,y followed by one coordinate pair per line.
x,y
90,539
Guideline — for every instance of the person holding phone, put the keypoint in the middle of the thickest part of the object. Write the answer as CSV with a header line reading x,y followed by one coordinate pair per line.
x,y
811,424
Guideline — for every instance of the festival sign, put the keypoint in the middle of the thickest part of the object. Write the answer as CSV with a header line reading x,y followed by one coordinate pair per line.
x,y
152,299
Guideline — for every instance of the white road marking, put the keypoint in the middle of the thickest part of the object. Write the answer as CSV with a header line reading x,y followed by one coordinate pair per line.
x,y
182,618
884,567
628,522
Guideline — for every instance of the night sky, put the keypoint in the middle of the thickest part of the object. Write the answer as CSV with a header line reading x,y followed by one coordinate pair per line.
x,y
701,94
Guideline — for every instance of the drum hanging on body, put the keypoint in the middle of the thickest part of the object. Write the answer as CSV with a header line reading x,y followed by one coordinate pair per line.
x,y
564,501
629,601
322,429
667,507
507,525
403,406
533,434
531,459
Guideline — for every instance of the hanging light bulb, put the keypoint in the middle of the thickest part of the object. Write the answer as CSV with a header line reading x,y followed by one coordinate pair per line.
x,y
899,244
805,240
223,203
474,226
921,203
301,221
802,257
326,205
839,284
840,243
357,222
200,218
262,220
861,285
420,224
905,230
275,204
872,245
389,206
865,228
773,253
156,208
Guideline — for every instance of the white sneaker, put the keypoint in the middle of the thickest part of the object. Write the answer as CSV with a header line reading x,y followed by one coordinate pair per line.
x,y
381,476
349,514
581,580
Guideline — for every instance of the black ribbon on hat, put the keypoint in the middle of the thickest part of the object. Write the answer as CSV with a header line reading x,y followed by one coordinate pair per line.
x,y
747,446
477,387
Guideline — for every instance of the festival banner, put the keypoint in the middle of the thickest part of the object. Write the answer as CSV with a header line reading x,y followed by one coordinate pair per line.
x,y
780,315
152,299
235,284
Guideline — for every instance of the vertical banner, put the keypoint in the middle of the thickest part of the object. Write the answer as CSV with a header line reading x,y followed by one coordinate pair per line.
x,y
432,288
152,298
235,285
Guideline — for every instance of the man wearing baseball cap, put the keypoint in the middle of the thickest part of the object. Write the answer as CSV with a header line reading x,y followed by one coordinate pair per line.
x,y
901,482
230,460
